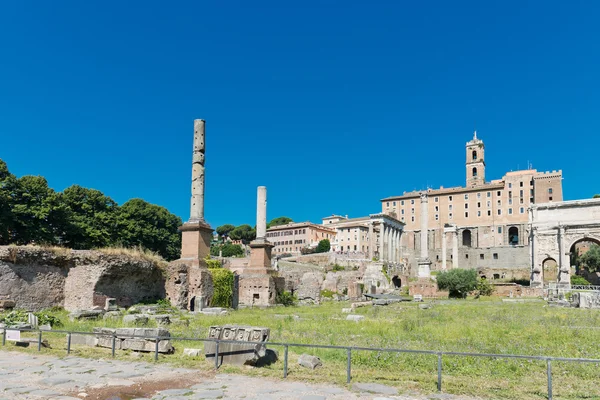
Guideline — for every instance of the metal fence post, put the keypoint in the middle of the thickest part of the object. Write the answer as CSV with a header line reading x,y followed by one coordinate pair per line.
x,y
349,365
285,360
40,341
156,349
217,355
114,343
549,369
439,382
69,343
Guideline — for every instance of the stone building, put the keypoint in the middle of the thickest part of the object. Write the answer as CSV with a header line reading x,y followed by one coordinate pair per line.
x,y
485,220
293,237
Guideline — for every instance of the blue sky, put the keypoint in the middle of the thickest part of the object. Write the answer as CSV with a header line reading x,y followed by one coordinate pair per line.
x,y
332,105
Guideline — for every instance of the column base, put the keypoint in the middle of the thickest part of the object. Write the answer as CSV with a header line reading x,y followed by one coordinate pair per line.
x,y
195,240
260,258
424,269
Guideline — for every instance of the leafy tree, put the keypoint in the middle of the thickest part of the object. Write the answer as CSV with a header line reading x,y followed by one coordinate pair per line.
x,y
245,233
39,216
596,196
484,287
227,250
578,280
150,226
224,230
279,221
591,258
459,282
323,247
7,181
93,218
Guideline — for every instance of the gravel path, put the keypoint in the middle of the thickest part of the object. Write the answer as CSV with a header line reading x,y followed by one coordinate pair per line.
x,y
27,376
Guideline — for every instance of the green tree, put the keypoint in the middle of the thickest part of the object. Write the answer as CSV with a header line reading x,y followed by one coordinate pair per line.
x,y
458,282
323,247
279,221
224,231
38,214
245,233
596,196
150,226
7,181
93,218
591,258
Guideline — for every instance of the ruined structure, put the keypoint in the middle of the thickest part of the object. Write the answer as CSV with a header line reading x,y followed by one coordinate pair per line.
x,y
556,228
258,283
35,278
189,285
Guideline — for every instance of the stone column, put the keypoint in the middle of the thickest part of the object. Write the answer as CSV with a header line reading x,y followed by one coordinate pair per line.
x,y
358,247
443,249
455,248
424,270
197,206
564,271
397,245
371,241
261,213
384,242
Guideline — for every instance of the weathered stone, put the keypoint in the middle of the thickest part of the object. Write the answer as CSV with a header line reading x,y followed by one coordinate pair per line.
x,y
7,304
86,314
214,311
237,353
164,346
424,306
112,315
110,304
585,300
192,352
354,317
45,327
84,340
309,290
161,319
346,310
308,361
361,304
135,319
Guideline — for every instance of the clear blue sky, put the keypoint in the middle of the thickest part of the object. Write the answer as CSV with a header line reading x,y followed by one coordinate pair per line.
x,y
331,105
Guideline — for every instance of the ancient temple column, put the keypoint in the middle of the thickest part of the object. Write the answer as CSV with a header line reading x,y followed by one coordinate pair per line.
x,y
455,248
443,249
424,270
380,242
384,243
397,252
261,213
390,243
371,241
197,206
564,271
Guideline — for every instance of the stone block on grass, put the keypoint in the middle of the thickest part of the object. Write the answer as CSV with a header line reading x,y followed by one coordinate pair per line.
x,y
308,361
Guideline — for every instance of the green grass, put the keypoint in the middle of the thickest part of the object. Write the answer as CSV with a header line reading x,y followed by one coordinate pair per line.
x,y
477,326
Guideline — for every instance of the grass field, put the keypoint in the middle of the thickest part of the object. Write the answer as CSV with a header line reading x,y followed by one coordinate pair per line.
x,y
477,326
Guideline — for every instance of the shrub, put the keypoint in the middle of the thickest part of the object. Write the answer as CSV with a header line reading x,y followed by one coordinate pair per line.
x,y
458,282
484,287
227,250
223,287
327,294
579,280
286,298
307,250
212,263
337,268
323,247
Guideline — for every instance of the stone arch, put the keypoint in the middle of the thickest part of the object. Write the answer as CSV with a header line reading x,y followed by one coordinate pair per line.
x,y
513,235
573,249
474,154
467,239
474,171
549,270
396,281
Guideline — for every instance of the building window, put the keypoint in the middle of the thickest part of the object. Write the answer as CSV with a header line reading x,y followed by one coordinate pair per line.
x,y
449,198
489,194
412,210
388,204
510,202
450,207
435,199
499,193
521,184
478,195
402,211
521,193
481,256
466,205
466,256
489,204
474,155
450,216
466,215
474,172
412,201
394,204
402,202
510,211
479,213
549,190
412,219
499,212
466,197
437,217
509,193
495,256
521,200
437,208
478,204
499,229
489,213
499,203
522,210
509,185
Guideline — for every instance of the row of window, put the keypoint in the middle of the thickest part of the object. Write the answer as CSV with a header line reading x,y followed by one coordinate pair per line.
x,y
287,242
286,233
489,214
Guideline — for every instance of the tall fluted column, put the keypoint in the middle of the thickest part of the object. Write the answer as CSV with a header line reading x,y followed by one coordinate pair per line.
x,y
198,158
443,249
455,248
371,241
261,213
424,263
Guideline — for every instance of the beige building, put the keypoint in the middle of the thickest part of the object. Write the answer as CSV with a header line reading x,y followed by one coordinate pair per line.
x,y
482,214
292,238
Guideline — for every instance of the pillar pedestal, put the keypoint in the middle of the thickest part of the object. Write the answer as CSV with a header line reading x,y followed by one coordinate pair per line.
x,y
424,270
259,284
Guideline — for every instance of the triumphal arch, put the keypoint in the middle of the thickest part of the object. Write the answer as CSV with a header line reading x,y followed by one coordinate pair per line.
x,y
556,229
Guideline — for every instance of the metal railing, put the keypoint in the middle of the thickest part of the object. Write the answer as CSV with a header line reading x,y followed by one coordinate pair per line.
x,y
286,346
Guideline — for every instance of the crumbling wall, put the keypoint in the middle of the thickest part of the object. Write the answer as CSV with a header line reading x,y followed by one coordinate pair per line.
x,y
37,278
188,282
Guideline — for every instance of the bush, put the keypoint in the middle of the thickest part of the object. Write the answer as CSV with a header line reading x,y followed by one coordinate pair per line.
x,y
17,316
212,263
337,268
227,250
323,247
307,250
286,298
485,288
458,282
327,293
579,280
223,287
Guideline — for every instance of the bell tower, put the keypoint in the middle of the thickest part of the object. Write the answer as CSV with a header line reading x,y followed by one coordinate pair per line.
x,y
475,162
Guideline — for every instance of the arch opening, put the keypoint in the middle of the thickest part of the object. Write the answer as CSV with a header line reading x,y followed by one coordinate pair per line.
x,y
513,235
466,238
397,282
474,172
578,259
